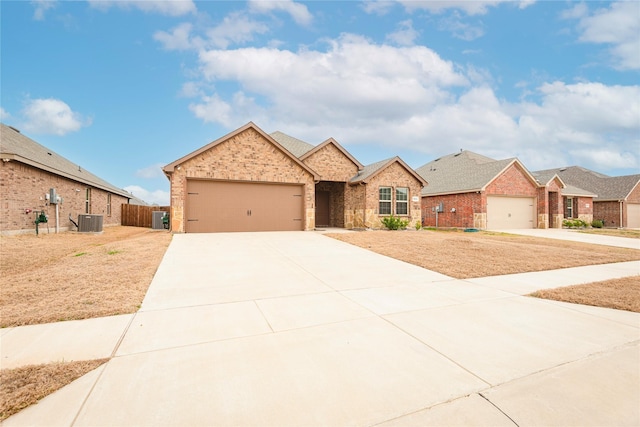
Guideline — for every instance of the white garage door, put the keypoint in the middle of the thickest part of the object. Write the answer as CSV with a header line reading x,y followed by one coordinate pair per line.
x,y
505,213
633,215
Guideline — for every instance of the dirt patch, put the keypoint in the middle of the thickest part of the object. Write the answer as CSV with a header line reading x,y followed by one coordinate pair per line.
x,y
70,275
26,385
621,294
467,255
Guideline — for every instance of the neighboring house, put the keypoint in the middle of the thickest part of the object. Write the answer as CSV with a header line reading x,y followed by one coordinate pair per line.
x,y
28,173
618,198
249,180
468,190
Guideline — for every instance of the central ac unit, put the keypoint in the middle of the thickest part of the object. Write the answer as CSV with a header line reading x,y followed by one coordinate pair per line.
x,y
90,223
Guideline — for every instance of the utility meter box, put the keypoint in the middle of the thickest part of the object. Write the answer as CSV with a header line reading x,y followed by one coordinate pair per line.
x,y
53,196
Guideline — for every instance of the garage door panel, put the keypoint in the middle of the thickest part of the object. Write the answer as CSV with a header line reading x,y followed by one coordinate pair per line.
x,y
510,212
220,206
633,215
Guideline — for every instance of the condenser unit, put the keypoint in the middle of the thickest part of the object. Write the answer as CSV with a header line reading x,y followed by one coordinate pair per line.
x,y
90,223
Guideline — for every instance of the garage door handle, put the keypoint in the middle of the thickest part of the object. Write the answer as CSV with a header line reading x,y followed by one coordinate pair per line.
x,y
248,212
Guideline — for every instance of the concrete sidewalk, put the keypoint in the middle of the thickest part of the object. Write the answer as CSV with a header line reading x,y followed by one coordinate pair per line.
x,y
301,329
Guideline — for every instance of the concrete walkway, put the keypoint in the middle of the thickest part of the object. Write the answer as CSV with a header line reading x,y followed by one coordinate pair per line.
x,y
299,329
577,236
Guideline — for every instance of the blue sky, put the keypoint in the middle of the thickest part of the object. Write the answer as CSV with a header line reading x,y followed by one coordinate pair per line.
x,y
125,87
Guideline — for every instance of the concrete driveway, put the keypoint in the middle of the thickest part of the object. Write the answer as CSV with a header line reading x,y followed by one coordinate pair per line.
x,y
298,329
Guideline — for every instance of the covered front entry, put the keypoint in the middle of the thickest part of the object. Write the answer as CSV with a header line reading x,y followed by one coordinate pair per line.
x,y
330,204
510,212
219,206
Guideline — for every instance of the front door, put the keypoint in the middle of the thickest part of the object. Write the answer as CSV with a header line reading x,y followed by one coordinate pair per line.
x,y
322,208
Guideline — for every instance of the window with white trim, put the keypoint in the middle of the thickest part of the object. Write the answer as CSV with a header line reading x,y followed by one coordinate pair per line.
x,y
402,201
569,207
384,207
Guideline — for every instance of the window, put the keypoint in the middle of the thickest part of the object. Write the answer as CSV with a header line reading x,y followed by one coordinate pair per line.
x,y
385,201
569,212
108,204
402,201
87,202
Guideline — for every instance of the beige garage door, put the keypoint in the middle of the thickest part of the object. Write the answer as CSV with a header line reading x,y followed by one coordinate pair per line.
x,y
633,215
216,206
505,213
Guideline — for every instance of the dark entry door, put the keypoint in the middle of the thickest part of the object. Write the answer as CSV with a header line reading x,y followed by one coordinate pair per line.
x,y
322,208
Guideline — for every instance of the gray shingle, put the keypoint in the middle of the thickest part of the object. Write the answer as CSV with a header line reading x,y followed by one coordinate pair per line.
x,y
460,172
15,145
295,146
604,186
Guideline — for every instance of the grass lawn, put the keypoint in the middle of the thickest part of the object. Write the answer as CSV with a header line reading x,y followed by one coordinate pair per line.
x,y
467,255
70,275
618,232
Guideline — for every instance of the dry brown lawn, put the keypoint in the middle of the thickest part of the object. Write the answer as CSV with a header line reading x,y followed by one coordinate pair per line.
x,y
465,255
633,234
26,385
621,294
70,275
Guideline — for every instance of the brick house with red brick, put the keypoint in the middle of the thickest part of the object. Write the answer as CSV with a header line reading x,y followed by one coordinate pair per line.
x,y
615,200
249,180
28,173
468,190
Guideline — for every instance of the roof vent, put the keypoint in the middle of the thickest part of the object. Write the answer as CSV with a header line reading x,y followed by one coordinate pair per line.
x,y
457,154
17,130
437,159
563,169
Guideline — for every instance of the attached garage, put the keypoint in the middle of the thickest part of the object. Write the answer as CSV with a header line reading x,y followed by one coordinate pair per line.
x,y
222,206
633,215
505,213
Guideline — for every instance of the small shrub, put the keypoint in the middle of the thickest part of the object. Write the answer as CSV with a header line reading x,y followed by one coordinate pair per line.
x,y
574,223
394,222
418,226
597,223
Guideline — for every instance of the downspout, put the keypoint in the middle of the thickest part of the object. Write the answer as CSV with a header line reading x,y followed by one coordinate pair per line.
x,y
621,207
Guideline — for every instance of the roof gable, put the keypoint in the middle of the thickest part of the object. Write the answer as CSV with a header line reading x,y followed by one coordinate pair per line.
x,y
16,146
370,171
461,172
513,162
168,169
606,187
340,148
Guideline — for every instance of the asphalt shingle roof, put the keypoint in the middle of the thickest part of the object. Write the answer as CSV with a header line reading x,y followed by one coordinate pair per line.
x,y
604,186
370,170
16,146
295,146
460,172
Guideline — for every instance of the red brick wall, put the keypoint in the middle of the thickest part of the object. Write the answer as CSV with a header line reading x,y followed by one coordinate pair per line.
x,y
512,182
247,156
465,204
607,211
24,187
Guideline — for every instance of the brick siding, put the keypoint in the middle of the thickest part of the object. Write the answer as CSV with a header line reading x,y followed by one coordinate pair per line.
x,y
466,205
331,164
23,187
247,156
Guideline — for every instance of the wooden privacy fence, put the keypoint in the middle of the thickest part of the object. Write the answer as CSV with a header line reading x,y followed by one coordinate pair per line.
x,y
140,216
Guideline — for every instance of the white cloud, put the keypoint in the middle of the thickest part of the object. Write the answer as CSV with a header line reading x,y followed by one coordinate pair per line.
x,y
405,35
617,26
475,7
4,114
41,7
179,38
460,29
298,12
408,98
378,7
235,28
163,7
51,116
153,171
157,197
